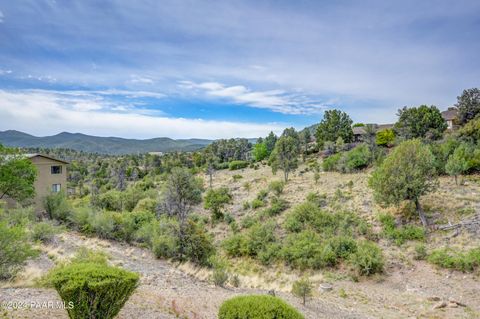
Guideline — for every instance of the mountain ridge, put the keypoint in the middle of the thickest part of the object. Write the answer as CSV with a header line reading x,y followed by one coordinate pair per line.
x,y
98,144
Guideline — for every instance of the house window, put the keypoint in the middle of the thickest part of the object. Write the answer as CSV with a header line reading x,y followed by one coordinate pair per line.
x,y
56,188
57,169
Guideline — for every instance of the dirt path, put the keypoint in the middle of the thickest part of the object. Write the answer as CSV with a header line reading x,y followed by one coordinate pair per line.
x,y
166,292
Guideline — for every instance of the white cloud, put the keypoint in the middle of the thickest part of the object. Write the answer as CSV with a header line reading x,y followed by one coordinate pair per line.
x,y
45,113
274,100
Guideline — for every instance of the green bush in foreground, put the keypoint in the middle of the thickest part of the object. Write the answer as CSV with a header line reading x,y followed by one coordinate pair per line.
x,y
257,307
96,290
458,260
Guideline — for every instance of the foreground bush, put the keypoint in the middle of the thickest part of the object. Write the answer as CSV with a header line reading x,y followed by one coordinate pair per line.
x,y
96,290
14,250
257,307
458,260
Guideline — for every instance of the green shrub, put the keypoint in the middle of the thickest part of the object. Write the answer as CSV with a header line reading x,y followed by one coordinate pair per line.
x,y
302,288
19,216
94,290
57,206
278,205
164,246
257,203
453,259
216,199
257,307
420,252
277,187
15,249
234,165
368,259
43,231
146,204
400,234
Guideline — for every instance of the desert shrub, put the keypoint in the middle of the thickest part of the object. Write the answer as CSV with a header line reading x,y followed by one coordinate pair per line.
x,y
306,250
302,288
278,205
420,252
257,203
94,290
269,253
216,199
235,245
15,249
400,234
103,224
57,206
320,200
309,216
257,307
80,218
277,187
453,259
234,165
18,216
146,204
330,163
196,245
368,259
43,231
164,246
357,158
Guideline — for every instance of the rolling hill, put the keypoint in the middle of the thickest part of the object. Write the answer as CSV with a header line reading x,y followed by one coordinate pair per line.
x,y
104,145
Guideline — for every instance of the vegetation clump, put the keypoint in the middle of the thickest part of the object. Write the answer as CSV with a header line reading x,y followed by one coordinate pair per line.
x,y
257,307
93,290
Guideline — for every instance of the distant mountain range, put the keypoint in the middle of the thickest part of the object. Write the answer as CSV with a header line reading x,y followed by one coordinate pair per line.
x,y
104,145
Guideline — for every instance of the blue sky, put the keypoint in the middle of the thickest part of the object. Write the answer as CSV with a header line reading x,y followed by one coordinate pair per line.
x,y
214,69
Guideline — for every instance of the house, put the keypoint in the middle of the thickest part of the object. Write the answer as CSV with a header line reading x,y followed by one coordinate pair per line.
x,y
451,117
51,178
359,132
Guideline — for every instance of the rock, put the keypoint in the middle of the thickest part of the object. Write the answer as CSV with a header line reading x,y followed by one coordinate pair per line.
x,y
326,287
452,300
439,305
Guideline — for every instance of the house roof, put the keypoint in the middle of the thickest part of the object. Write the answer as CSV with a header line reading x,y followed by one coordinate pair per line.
x,y
32,155
359,130
450,114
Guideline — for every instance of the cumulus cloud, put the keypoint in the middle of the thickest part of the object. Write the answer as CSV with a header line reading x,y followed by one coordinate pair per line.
x,y
45,113
274,100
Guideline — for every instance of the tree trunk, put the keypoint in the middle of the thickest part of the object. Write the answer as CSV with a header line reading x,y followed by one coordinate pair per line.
x,y
421,213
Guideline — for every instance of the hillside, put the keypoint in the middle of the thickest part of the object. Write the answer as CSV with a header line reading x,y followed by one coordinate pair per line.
x,y
104,145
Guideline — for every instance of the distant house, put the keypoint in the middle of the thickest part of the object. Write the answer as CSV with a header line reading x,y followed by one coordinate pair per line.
x,y
451,117
359,132
51,178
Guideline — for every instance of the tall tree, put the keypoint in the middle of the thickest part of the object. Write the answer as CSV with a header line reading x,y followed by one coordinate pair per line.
x,y
334,124
406,174
285,155
182,192
420,122
17,175
270,141
468,105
